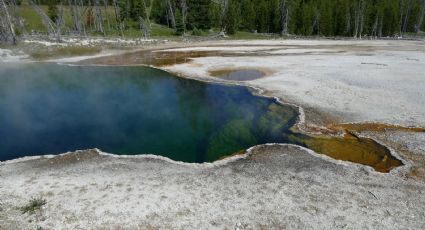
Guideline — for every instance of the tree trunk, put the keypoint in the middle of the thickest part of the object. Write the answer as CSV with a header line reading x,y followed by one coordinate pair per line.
x,y
356,20
420,18
47,22
359,19
81,17
381,24
183,6
171,14
105,2
283,17
75,16
405,8
9,32
224,5
98,19
375,26
143,28
118,17
60,22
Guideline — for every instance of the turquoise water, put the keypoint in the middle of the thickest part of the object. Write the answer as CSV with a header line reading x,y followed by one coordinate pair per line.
x,y
51,109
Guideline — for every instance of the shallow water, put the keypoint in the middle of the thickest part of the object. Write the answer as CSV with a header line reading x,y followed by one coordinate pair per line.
x,y
51,109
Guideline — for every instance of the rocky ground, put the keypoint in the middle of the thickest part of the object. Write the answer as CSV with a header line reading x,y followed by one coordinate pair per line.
x,y
274,186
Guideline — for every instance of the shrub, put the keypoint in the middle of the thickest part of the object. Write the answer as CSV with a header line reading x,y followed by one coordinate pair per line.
x,y
196,32
34,204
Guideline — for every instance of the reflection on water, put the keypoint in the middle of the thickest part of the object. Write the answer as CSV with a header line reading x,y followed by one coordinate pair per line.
x,y
50,109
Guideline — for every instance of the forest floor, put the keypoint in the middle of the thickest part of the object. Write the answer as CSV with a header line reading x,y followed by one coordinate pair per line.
x,y
372,88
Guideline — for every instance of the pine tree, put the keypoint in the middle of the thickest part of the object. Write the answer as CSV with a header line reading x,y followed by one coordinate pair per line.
x,y
198,14
326,20
262,18
248,19
52,10
179,23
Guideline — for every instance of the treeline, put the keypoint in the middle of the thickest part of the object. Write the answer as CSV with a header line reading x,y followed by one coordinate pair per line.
x,y
349,18
354,18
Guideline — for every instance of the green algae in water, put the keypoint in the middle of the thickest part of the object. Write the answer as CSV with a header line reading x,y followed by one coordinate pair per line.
x,y
51,109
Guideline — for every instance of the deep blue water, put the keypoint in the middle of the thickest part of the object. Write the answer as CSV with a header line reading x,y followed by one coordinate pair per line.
x,y
51,109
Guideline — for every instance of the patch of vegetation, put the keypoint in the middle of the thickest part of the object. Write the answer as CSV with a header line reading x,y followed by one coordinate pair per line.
x,y
54,52
33,205
158,30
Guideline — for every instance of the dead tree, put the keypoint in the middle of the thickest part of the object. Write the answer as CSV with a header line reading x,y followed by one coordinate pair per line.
x,y
420,18
359,19
284,15
118,17
184,9
171,14
7,27
375,26
223,7
144,28
47,22
98,19
89,15
405,8
60,23
16,19
105,3
81,14
76,16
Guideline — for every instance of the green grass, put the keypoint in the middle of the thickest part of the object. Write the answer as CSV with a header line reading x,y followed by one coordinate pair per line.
x,y
161,31
33,22
33,205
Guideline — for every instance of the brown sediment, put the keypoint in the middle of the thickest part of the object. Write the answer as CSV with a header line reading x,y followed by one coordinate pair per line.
x,y
160,58
376,127
238,153
333,129
240,74
155,58
355,149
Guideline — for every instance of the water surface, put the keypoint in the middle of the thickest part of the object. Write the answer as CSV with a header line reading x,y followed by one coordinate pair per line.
x,y
50,109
